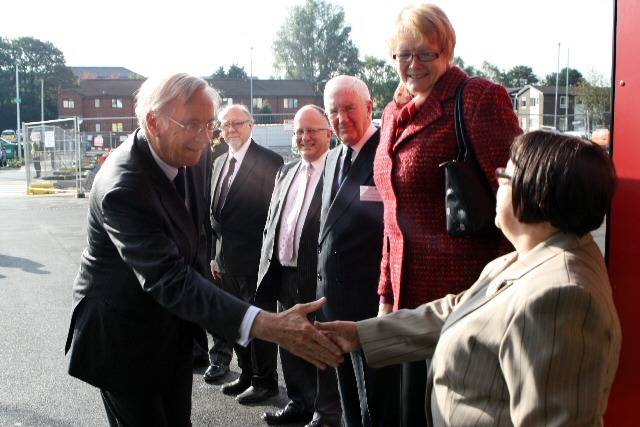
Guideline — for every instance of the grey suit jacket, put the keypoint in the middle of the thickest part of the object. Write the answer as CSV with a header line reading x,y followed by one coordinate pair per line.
x,y
268,276
138,288
539,347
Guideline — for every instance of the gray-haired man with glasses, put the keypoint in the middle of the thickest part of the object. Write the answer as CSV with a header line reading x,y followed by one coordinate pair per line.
x,y
241,185
140,287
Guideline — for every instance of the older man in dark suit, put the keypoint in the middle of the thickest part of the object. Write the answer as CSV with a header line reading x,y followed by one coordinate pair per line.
x,y
241,186
138,289
288,265
350,246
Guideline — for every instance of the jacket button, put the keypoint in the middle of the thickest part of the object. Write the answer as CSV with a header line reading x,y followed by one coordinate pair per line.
x,y
319,276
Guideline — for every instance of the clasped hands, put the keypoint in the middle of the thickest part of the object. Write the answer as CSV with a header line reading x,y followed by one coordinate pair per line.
x,y
321,344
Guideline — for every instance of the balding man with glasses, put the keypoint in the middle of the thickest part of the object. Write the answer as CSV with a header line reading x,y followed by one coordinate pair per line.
x,y
288,269
241,185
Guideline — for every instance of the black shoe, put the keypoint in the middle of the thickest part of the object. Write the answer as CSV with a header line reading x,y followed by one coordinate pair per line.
x,y
235,387
256,395
291,413
314,423
200,361
215,372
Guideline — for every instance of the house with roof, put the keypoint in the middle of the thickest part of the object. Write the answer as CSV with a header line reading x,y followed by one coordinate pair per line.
x,y
536,108
93,73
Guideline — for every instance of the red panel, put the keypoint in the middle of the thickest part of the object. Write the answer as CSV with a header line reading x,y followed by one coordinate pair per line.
x,y
624,228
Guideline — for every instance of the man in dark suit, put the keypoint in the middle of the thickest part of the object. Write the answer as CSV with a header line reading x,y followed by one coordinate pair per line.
x,y
288,268
350,246
241,186
138,291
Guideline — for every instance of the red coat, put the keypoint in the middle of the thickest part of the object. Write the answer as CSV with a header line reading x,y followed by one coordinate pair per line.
x,y
420,261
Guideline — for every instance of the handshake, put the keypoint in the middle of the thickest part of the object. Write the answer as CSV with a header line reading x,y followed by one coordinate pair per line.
x,y
322,344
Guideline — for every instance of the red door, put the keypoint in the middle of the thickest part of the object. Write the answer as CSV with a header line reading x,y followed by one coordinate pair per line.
x,y
624,221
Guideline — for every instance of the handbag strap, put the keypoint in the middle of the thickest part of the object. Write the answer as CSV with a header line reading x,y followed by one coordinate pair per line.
x,y
464,146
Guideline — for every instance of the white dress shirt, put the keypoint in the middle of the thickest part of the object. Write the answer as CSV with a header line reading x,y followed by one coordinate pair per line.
x,y
239,156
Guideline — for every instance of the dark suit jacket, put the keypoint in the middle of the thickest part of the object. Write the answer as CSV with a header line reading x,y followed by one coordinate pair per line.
x,y
238,232
350,241
138,289
268,273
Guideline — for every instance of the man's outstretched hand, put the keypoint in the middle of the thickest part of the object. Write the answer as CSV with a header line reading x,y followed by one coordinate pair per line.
x,y
292,330
344,334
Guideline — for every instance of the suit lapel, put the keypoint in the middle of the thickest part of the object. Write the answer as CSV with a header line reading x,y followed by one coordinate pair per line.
x,y
249,161
173,204
510,271
432,110
314,207
218,166
328,178
360,172
286,184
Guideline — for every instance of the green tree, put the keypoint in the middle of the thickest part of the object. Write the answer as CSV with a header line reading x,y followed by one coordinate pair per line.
x,y
493,72
36,60
595,94
469,69
314,44
519,76
235,72
381,78
575,78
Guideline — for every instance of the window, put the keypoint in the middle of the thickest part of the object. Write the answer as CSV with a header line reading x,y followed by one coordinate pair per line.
x,y
533,102
523,123
116,127
68,103
97,102
97,127
227,101
259,102
563,102
116,103
523,101
290,103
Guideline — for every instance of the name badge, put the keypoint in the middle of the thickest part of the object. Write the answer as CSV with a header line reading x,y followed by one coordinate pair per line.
x,y
369,193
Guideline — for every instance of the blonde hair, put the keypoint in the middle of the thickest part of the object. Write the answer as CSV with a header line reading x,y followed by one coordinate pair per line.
x,y
424,21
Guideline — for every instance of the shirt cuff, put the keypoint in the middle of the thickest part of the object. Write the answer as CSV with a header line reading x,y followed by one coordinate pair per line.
x,y
386,299
247,323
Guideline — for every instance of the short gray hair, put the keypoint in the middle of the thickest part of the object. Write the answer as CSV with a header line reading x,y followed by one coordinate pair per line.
x,y
240,107
347,82
157,94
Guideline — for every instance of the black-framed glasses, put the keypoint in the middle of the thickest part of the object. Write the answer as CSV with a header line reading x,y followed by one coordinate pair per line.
x,y
310,131
233,123
195,128
406,57
503,177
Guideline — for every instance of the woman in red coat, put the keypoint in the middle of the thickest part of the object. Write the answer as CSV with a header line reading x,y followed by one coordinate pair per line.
x,y
420,261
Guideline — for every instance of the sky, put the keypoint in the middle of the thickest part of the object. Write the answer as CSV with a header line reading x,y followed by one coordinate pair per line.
x,y
197,36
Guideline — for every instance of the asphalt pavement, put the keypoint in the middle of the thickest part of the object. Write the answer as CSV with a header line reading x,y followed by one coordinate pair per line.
x,y
41,239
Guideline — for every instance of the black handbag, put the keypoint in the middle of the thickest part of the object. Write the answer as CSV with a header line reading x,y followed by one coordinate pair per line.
x,y
470,204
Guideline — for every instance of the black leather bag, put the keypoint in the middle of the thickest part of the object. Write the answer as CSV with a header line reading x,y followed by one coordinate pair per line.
x,y
470,204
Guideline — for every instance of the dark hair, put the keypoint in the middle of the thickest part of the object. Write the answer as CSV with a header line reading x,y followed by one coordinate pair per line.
x,y
565,180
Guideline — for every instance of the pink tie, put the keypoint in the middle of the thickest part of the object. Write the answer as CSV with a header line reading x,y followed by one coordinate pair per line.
x,y
286,250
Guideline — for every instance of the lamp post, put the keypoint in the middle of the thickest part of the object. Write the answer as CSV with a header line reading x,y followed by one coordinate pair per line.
x,y
251,80
18,114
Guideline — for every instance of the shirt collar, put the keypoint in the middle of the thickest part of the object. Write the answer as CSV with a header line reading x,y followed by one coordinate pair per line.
x,y
239,155
318,164
365,137
168,170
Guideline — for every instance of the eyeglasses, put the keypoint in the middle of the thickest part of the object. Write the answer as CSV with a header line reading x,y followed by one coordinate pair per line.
x,y
406,57
310,131
233,123
503,177
196,128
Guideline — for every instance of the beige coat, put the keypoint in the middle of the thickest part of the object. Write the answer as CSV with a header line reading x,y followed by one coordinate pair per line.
x,y
539,349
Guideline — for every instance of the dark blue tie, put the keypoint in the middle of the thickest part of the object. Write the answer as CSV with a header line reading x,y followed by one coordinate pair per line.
x,y
179,182
346,166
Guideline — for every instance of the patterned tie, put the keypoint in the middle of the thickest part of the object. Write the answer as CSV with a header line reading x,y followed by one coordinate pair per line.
x,y
224,187
288,230
346,166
